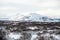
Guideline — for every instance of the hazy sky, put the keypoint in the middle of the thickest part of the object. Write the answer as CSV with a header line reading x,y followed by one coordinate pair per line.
x,y
44,7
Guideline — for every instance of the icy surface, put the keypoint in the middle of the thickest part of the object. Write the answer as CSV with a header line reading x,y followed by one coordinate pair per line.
x,y
31,35
13,36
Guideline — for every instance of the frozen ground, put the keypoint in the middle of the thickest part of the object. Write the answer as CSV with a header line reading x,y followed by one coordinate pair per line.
x,y
10,30
31,35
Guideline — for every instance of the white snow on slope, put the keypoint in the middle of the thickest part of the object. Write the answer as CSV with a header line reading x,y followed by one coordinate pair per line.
x,y
32,17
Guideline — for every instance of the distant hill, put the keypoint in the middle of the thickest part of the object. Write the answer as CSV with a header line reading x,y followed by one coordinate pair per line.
x,y
32,17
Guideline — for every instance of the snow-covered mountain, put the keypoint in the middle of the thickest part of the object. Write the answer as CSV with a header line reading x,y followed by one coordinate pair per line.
x,y
34,17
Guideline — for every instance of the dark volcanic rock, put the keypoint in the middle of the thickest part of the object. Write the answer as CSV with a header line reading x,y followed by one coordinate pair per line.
x,y
29,30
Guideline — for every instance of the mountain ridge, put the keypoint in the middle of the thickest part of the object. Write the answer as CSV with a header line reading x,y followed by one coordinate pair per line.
x,y
33,17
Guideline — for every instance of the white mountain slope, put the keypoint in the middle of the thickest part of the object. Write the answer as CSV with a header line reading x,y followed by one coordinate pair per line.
x,y
33,17
37,17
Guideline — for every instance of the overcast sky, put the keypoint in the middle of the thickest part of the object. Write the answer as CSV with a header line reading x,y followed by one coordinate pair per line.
x,y
44,7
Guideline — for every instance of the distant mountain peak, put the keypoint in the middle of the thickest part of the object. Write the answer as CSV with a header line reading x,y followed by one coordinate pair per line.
x,y
39,18
33,17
